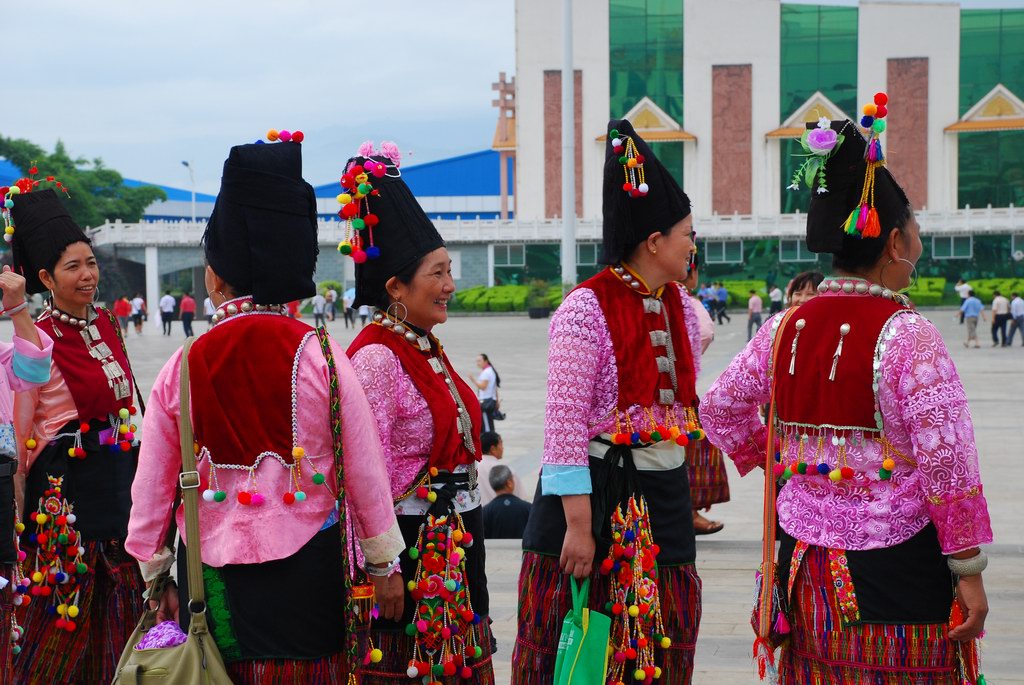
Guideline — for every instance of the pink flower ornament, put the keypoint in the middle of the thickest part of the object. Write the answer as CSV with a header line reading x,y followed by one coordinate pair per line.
x,y
822,141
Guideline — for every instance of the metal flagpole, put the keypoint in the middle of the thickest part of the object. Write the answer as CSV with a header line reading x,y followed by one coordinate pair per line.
x,y
568,153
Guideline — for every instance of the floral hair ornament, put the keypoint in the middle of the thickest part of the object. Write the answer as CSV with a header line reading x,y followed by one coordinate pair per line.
x,y
23,185
819,145
632,164
863,220
356,190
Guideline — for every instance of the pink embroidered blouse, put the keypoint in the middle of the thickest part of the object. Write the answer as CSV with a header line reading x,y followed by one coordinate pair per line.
x,y
926,418
236,534
583,388
404,423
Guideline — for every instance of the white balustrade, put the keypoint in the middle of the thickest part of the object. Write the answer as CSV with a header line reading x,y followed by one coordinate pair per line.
x,y
736,227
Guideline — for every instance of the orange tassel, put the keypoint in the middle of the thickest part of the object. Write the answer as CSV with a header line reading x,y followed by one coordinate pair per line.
x,y
872,228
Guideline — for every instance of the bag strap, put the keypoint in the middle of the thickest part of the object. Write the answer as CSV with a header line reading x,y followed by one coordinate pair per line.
x,y
768,538
580,597
189,481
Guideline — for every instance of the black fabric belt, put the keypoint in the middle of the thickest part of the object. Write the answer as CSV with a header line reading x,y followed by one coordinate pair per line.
x,y
8,468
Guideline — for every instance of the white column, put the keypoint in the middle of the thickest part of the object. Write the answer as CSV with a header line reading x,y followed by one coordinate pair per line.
x,y
490,265
153,282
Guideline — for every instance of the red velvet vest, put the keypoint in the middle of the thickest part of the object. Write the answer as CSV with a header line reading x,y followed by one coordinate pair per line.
x,y
240,378
630,327
807,398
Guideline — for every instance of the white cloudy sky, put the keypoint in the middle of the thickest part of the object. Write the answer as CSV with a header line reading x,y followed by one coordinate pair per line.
x,y
145,85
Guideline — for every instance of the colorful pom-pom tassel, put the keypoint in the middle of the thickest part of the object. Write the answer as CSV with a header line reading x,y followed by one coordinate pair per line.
x,y
851,222
872,226
862,218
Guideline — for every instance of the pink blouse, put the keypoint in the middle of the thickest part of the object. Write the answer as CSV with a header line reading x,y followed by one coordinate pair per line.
x,y
404,423
583,388
926,418
236,534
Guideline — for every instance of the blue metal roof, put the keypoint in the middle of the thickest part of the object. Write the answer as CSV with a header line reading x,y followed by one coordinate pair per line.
x,y
8,172
179,194
473,174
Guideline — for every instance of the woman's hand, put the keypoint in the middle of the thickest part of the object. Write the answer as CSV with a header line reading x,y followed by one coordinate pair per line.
x,y
389,593
167,609
13,285
577,557
970,592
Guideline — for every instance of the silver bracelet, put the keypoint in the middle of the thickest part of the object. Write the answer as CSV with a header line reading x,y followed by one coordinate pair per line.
x,y
968,567
15,310
386,571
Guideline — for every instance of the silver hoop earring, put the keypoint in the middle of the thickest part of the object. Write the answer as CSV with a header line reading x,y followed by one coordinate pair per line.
x,y
394,317
913,282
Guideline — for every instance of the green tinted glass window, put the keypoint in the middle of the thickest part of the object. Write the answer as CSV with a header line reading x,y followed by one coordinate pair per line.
x,y
646,58
818,51
991,165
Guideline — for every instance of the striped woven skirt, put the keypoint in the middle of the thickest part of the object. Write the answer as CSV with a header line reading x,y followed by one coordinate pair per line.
x,y
709,482
545,598
825,647
110,604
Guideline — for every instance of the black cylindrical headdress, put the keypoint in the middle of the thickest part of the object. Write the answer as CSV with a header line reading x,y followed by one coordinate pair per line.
x,y
641,197
854,196
262,234
43,229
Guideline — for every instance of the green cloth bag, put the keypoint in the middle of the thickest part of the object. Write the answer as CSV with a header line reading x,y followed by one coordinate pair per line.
x,y
582,657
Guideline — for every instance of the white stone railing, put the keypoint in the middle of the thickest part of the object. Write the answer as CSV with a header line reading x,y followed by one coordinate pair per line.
x,y
737,227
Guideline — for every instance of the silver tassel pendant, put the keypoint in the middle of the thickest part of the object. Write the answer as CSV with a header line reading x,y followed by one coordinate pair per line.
x,y
843,330
800,323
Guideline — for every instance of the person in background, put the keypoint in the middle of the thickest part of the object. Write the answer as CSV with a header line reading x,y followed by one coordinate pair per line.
x,y
319,303
123,312
803,287
754,308
774,300
1000,317
493,448
972,309
963,289
295,309
138,312
721,302
36,301
188,312
506,515
1016,318
26,365
330,300
347,312
364,313
709,481
209,310
167,305
487,384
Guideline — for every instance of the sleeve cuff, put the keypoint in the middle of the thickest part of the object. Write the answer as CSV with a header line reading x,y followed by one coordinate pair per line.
x,y
962,520
158,565
27,349
558,479
383,548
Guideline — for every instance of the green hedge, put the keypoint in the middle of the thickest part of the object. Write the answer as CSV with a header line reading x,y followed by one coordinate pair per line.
x,y
739,291
928,292
501,298
985,287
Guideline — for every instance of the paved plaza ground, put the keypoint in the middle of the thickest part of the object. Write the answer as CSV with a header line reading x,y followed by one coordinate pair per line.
x,y
994,379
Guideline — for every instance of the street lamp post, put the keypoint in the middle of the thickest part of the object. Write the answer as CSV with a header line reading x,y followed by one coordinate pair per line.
x,y
192,180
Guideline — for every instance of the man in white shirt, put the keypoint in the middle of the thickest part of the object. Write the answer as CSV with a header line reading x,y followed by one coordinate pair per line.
x,y
1000,317
167,304
138,312
775,298
209,310
1016,318
963,289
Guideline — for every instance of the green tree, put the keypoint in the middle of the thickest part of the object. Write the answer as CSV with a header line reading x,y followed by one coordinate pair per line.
x,y
95,193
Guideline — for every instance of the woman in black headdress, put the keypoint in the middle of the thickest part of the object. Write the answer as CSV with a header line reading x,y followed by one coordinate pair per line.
x,y
613,504
279,420
429,423
883,512
77,454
